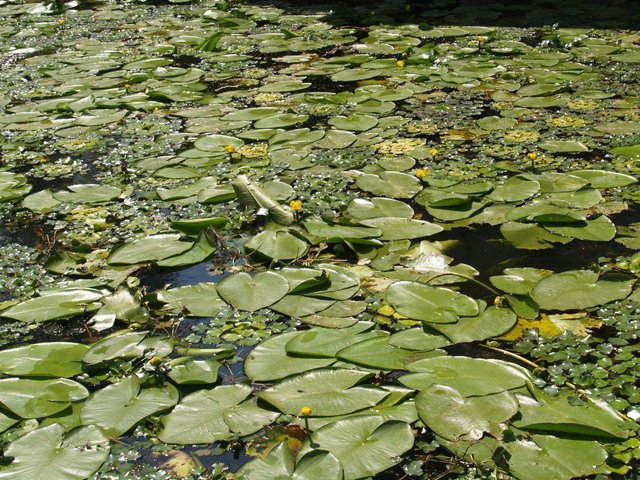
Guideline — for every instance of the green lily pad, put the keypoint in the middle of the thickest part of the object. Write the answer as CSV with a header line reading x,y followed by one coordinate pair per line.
x,y
249,293
194,371
277,245
354,122
327,391
390,184
364,209
199,300
492,322
118,407
519,281
55,305
586,418
564,146
364,445
279,463
452,416
48,453
149,249
530,236
429,304
469,376
51,359
326,342
515,189
377,353
598,229
269,360
605,179
578,289
39,398
402,228
418,339
208,416
89,193
217,143
557,458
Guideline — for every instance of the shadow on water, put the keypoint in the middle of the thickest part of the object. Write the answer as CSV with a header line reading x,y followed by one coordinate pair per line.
x,y
620,14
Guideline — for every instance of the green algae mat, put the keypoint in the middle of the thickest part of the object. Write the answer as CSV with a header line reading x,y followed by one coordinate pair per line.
x,y
259,240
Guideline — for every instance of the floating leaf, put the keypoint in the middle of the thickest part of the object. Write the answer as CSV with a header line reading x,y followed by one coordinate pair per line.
x,y
277,245
249,293
200,300
269,360
48,453
578,289
565,413
207,416
557,458
390,184
491,322
364,445
445,411
469,376
364,209
149,249
279,463
39,398
54,305
328,392
118,407
52,359
429,304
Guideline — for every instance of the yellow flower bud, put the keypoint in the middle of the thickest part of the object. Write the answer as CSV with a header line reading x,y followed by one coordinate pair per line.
x,y
305,411
499,302
155,361
230,148
386,310
295,205
400,63
532,155
421,172
61,21
434,152
480,38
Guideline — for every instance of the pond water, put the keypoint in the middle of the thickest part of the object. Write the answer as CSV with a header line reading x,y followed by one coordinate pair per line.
x,y
225,225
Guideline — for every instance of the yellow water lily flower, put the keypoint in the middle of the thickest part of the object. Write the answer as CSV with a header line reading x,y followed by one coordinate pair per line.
x,y
295,205
230,148
421,172
434,152
532,156
400,63
306,411
61,21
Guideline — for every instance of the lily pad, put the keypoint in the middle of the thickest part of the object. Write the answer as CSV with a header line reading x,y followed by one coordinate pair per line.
x,y
51,359
249,293
269,360
469,376
429,304
208,416
445,411
327,392
29,398
364,445
48,453
578,289
118,407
